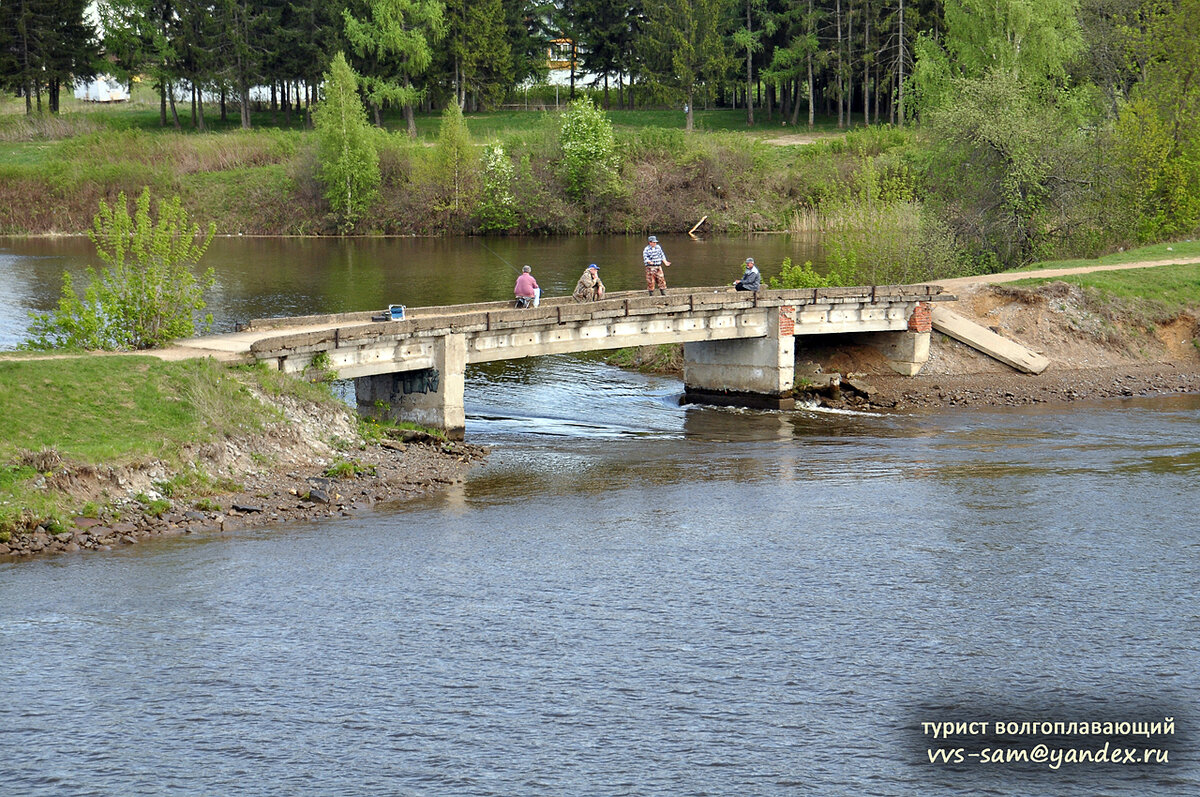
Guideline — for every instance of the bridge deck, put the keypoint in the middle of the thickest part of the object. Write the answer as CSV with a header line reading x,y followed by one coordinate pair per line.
x,y
271,337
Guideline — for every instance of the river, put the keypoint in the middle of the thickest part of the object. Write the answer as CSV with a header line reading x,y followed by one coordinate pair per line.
x,y
634,597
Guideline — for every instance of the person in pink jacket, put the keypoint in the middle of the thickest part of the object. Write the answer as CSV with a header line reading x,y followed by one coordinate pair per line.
x,y
527,291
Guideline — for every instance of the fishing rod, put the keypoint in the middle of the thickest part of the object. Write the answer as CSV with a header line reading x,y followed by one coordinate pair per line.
x,y
501,259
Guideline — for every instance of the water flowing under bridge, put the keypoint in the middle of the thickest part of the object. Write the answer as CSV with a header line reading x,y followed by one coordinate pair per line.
x,y
739,347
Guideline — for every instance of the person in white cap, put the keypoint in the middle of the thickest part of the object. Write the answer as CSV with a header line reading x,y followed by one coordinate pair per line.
x,y
751,280
654,258
589,288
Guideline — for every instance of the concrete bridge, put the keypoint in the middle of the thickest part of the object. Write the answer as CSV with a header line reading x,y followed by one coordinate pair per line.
x,y
739,347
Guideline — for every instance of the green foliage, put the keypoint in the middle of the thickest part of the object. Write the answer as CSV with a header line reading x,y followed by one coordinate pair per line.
x,y
155,507
876,232
348,469
803,276
207,505
349,161
1009,171
497,203
589,150
1158,131
1030,43
684,50
487,63
147,293
664,358
456,159
1161,179
320,369
373,429
393,42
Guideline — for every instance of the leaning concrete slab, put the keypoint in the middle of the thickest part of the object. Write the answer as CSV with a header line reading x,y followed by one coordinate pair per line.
x,y
983,339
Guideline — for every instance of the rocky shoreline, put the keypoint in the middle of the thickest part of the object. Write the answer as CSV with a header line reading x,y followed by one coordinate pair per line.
x,y
893,392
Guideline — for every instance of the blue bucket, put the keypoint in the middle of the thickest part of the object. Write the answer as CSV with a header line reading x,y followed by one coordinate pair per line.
x,y
396,311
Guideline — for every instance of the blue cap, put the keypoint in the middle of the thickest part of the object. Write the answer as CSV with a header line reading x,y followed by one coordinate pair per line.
x,y
653,238
593,265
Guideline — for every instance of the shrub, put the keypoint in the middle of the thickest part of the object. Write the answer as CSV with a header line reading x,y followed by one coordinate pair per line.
x,y
497,205
589,150
146,295
803,276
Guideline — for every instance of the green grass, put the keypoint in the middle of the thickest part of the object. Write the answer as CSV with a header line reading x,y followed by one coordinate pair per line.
x,y
1161,292
373,430
114,410
663,358
348,469
1163,251
101,409
27,154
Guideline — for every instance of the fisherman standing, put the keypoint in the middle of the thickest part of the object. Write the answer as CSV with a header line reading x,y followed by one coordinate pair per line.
x,y
527,290
751,280
589,288
655,259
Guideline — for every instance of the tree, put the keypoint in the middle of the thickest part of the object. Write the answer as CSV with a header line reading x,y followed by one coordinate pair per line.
x,y
139,38
348,160
683,47
245,24
1158,131
749,38
394,46
1010,171
479,52
800,56
606,36
498,204
488,65
146,295
589,147
45,43
1031,41
455,156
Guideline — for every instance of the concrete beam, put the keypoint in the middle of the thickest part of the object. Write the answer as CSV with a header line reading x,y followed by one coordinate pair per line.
x,y
983,339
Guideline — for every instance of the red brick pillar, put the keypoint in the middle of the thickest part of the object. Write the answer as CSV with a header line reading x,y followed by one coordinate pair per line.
x,y
787,320
921,319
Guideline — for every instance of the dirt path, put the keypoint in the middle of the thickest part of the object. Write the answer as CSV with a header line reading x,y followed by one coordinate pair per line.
x,y
958,283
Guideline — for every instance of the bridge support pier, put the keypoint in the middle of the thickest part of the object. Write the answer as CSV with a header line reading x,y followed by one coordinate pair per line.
x,y
748,372
430,397
907,351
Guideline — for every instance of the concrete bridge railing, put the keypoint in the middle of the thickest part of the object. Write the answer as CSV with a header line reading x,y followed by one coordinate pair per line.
x,y
738,347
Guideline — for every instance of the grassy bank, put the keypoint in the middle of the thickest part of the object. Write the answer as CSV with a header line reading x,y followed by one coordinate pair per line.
x,y
55,170
60,416
1160,251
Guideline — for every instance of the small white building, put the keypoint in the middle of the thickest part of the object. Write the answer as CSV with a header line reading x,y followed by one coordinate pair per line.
x,y
102,89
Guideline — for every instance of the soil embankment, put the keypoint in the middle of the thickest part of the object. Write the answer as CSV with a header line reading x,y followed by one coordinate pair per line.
x,y
312,465
1094,352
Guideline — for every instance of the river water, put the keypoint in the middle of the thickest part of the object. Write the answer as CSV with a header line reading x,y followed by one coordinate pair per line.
x,y
634,597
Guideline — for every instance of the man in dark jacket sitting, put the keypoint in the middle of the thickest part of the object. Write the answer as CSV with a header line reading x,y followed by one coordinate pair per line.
x,y
751,280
